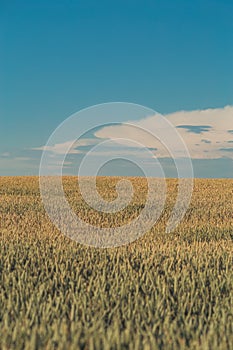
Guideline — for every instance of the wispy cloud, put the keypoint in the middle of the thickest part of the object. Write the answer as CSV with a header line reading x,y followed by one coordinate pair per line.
x,y
5,155
72,145
22,158
196,129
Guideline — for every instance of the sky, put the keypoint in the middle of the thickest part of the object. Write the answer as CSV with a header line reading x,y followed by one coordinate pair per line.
x,y
174,57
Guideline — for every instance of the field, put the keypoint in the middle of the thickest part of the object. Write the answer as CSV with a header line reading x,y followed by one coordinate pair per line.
x,y
164,291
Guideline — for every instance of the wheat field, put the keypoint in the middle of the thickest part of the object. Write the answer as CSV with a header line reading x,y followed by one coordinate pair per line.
x,y
163,291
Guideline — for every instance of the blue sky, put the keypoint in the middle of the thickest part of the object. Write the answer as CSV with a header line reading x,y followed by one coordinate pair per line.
x,y
58,57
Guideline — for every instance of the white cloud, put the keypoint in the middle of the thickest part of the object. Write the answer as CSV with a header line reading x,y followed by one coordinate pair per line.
x,y
208,134
205,132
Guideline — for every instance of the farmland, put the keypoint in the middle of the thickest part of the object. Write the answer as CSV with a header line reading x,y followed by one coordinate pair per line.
x,y
163,291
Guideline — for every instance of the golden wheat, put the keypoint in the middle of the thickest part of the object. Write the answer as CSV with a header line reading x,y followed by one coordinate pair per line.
x,y
164,291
